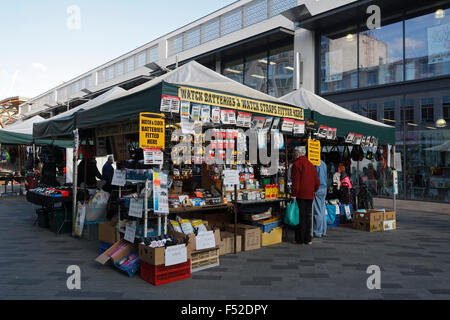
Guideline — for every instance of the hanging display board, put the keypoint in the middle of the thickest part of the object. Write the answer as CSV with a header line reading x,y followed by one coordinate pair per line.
x,y
314,152
239,103
151,131
160,193
153,156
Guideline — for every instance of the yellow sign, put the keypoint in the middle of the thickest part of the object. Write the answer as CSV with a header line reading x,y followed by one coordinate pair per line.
x,y
314,152
152,131
239,103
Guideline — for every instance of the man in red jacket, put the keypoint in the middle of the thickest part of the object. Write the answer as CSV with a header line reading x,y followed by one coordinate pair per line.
x,y
305,184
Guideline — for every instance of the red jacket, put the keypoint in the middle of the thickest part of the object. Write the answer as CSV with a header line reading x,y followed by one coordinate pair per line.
x,y
305,181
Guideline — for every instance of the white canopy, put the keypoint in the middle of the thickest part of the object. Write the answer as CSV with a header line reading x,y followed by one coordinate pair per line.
x,y
24,127
308,100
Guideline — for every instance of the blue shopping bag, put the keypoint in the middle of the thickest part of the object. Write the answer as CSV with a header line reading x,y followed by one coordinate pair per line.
x,y
292,214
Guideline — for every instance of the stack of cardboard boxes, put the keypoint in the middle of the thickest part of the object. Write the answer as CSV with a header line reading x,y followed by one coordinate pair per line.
x,y
374,220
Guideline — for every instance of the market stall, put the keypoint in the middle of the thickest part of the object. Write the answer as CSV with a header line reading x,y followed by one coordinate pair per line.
x,y
17,141
201,170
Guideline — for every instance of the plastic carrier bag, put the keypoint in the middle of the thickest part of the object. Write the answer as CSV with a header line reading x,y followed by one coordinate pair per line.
x,y
96,207
292,214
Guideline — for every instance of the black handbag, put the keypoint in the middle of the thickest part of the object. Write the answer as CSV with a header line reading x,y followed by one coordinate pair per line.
x,y
357,153
378,155
334,156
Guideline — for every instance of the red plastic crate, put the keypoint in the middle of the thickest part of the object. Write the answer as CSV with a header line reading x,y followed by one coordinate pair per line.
x,y
158,275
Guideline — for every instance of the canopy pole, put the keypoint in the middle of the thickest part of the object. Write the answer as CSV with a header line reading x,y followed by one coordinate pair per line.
x,y
75,188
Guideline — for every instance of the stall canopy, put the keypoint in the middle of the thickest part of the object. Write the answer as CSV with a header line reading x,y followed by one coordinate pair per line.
x,y
64,122
22,133
147,98
330,114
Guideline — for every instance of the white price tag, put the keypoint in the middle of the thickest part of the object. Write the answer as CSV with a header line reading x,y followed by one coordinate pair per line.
x,y
231,177
136,207
205,240
119,178
175,255
130,231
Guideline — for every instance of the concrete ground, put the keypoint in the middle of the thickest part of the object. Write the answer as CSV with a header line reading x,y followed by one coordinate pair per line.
x,y
414,262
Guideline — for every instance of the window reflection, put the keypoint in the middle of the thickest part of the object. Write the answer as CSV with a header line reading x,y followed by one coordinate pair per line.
x,y
234,70
281,71
256,72
381,55
427,50
338,63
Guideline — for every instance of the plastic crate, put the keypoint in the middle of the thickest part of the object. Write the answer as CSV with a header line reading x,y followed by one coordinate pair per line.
x,y
56,220
103,247
159,275
267,225
43,218
130,270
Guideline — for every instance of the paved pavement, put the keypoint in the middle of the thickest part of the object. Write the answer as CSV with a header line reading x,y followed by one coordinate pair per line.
x,y
415,264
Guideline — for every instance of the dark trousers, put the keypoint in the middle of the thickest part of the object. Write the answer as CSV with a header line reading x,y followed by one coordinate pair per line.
x,y
303,230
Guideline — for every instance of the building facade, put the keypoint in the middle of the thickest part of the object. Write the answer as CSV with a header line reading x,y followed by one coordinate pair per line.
x,y
398,73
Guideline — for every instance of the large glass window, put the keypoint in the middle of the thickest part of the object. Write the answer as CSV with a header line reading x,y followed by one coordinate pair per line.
x,y
381,55
372,113
281,71
428,110
234,70
255,73
427,45
338,63
389,112
407,112
446,108
130,64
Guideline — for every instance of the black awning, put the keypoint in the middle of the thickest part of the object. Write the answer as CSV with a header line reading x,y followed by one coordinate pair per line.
x,y
348,16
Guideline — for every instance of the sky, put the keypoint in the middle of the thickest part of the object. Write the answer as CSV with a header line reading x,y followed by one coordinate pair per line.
x,y
41,46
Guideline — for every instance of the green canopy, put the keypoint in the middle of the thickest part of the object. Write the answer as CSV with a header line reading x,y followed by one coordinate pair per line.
x,y
329,114
147,98
21,133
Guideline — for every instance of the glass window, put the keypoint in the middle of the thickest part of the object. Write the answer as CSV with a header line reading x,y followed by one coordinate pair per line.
x,y
278,6
281,71
192,38
175,45
389,112
428,110
210,30
120,69
407,112
130,64
234,70
231,22
427,45
372,113
255,12
153,54
255,74
141,59
446,108
338,68
381,55
356,108
110,73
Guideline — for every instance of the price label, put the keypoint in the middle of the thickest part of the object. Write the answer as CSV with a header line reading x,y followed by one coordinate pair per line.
x,y
205,240
136,207
130,231
175,255
119,178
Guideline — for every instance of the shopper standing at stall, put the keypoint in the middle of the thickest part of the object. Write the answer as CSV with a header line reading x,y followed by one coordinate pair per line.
x,y
320,217
108,173
305,183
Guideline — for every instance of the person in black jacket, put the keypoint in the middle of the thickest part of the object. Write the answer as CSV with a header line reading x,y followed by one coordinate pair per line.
x,y
88,176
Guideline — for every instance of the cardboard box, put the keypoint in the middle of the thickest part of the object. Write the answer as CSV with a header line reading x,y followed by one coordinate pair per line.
x,y
106,256
390,221
251,236
369,221
273,237
181,237
227,243
107,232
155,256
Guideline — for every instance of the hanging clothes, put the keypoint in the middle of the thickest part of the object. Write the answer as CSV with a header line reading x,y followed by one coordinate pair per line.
x,y
320,216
